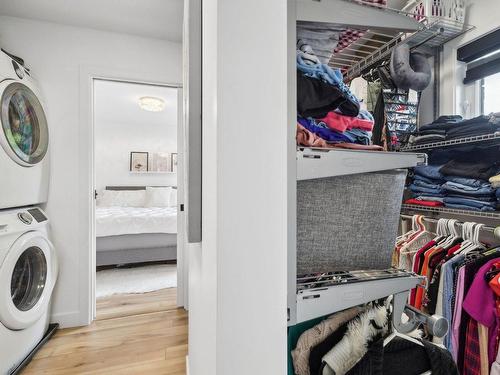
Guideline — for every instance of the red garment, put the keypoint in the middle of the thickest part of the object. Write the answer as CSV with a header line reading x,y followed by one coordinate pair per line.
x,y
472,354
355,146
424,203
495,284
416,266
454,249
341,123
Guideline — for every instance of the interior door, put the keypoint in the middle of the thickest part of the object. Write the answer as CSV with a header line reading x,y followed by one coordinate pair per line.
x,y
182,237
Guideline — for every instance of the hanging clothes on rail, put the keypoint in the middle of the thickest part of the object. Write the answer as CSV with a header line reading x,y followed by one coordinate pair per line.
x,y
352,342
462,275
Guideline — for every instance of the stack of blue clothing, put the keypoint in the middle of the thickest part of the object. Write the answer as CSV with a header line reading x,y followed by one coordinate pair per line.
x,y
469,194
427,184
464,193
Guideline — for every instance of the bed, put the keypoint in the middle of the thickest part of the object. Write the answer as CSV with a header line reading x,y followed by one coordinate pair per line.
x,y
127,232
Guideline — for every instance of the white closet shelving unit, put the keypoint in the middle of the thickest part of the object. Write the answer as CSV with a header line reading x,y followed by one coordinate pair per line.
x,y
385,28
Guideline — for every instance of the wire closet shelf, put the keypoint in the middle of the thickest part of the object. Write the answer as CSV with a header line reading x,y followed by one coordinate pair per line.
x,y
454,142
439,25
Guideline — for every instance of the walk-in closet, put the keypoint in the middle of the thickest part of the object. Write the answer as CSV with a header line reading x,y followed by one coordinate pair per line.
x,y
395,267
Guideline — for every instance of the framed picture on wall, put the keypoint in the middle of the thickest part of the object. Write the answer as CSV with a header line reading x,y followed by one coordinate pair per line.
x,y
139,161
174,162
160,162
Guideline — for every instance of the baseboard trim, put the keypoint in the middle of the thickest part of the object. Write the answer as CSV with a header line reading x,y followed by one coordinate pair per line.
x,y
68,319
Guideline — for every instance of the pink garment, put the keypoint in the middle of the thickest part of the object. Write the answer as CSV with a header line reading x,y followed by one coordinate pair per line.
x,y
480,305
341,123
457,313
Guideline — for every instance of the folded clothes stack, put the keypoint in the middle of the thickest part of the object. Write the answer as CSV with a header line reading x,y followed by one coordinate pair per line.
x,y
455,185
327,108
454,127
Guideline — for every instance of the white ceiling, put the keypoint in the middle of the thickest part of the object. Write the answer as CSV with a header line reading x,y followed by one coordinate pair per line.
x,y
116,105
148,18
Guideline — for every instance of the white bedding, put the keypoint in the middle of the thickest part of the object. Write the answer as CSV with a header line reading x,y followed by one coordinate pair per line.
x,y
115,221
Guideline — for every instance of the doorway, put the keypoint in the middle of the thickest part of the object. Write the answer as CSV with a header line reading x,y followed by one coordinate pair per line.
x,y
137,173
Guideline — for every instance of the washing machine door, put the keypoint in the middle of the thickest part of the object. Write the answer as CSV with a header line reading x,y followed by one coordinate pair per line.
x,y
27,278
24,135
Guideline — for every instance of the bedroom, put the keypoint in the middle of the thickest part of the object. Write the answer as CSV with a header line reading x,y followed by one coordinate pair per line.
x,y
135,159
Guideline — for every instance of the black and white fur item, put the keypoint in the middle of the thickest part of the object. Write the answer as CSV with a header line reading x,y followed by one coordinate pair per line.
x,y
409,70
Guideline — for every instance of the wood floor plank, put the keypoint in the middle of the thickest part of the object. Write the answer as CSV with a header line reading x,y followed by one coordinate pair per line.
x,y
135,334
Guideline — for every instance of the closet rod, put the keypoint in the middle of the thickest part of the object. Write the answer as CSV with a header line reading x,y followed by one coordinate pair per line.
x,y
495,231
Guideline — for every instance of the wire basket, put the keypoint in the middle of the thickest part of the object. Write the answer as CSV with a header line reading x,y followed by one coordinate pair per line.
x,y
449,10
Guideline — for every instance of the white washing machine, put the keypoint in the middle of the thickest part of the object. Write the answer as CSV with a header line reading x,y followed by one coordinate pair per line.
x,y
24,137
28,273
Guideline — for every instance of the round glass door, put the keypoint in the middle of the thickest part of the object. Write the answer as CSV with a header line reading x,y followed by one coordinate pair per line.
x,y
28,278
24,124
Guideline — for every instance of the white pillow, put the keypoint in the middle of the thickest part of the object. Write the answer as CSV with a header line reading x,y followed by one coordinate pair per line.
x,y
158,196
173,198
122,198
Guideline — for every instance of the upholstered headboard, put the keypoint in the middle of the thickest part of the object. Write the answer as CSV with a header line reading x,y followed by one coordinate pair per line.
x,y
133,187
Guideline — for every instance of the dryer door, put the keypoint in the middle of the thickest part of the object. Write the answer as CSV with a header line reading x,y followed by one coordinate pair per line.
x,y
24,135
27,277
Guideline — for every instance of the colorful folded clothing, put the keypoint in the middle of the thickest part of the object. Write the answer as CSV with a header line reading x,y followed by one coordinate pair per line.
x,y
333,77
341,123
421,202
322,131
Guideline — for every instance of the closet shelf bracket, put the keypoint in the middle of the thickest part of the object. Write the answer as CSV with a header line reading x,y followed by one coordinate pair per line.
x,y
435,325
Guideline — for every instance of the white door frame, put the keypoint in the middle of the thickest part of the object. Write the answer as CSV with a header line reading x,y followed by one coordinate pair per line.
x,y
86,204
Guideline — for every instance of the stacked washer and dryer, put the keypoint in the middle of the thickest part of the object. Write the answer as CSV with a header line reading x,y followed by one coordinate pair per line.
x,y
28,263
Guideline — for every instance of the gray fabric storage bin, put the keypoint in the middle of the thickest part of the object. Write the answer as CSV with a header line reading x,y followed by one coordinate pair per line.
x,y
348,222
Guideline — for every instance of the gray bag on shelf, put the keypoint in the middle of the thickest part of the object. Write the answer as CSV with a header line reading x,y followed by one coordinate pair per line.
x,y
348,222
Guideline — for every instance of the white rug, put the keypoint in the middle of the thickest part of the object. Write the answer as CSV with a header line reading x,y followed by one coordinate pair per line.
x,y
135,279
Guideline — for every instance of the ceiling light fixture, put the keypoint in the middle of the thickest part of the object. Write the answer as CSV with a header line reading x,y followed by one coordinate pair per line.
x,y
152,104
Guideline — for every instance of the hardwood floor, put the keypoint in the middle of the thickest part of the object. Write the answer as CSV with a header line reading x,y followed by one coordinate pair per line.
x,y
133,334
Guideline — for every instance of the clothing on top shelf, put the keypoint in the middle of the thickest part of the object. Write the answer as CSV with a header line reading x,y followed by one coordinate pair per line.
x,y
316,98
454,127
329,114
458,270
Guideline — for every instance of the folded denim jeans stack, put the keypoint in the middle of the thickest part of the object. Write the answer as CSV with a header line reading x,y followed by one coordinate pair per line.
x,y
454,127
327,108
426,186
434,185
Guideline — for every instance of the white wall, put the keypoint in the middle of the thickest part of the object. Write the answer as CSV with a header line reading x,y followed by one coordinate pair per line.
x,y
238,304
56,55
454,96
121,126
